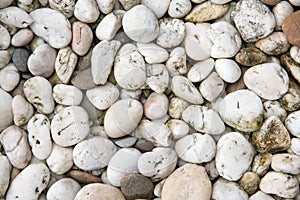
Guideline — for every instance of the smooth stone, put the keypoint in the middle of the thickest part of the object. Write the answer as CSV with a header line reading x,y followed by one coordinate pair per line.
x,y
16,147
286,163
122,117
261,163
157,77
157,164
211,87
188,182
9,77
82,38
136,186
196,148
228,70
37,174
223,189
5,38
280,184
129,4
176,107
65,64
60,159
184,88
103,56
22,110
122,163
5,3
253,27
225,38
274,44
179,8
282,10
290,101
156,106
67,7
156,132
125,142
274,108
84,177
93,153
140,24
109,25
83,79
96,191
102,97
159,8
292,123
250,56
38,92
130,68
39,138
196,42
70,126
67,95
178,128
16,17
242,110
200,70
130,94
86,11
41,55
171,32
290,28
295,146
5,170
260,195
295,53
52,26
5,56
295,2
249,182
153,53
206,11
22,37
144,145
106,6
20,58
6,118
65,188
291,66
229,147
271,137
176,64
203,119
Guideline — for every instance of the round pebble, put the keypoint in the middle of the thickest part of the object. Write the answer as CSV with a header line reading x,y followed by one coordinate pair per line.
x,y
67,95
22,37
286,163
228,70
20,57
82,37
156,106
179,8
292,123
6,118
65,188
223,189
86,11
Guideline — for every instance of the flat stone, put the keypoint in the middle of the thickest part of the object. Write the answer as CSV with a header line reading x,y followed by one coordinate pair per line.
x,y
16,17
22,37
283,185
250,56
223,189
22,110
70,126
67,95
83,79
253,27
206,11
189,182
286,163
229,147
84,177
290,27
274,44
157,164
271,137
86,11
65,188
82,38
136,186
52,26
96,191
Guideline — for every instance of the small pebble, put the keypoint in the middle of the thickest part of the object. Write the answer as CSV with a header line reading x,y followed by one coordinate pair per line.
x,y
179,8
261,163
260,195
211,87
22,110
16,17
65,6
159,8
5,170
250,56
6,118
178,128
67,95
9,77
86,11
249,182
223,189
65,188
281,10
295,146
290,28
106,6
274,108
84,177
82,37
83,79
176,63
286,163
295,53
5,57
5,38
157,77
156,106
22,37
152,53
176,107
275,44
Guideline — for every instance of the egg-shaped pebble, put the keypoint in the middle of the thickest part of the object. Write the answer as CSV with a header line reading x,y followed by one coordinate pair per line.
x,y
242,110
140,24
5,170
200,70
39,136
102,97
179,8
228,70
65,64
196,148
223,189
37,174
65,6
178,128
211,87
86,11
292,123
157,77
6,118
176,107
157,164
67,95
122,117
82,37
22,110
15,16
295,146
22,37
106,6
93,153
229,147
65,188
5,55
286,163
176,63
158,8
9,77
156,106
281,10
5,3
52,26
123,162
70,126
152,53
274,44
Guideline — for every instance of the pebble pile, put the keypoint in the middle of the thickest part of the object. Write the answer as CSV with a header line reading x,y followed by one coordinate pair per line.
x,y
149,99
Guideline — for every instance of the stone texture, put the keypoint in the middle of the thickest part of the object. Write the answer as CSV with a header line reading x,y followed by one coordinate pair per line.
x,y
250,56
290,28
20,57
84,177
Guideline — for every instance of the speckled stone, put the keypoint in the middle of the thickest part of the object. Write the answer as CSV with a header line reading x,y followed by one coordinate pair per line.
x,y
84,177
250,56
20,57
249,182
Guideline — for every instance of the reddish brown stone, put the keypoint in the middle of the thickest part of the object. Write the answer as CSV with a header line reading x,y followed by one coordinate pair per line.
x,y
270,2
84,177
291,28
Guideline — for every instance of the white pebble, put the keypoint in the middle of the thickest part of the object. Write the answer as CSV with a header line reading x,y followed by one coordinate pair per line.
x,y
274,108
223,189
179,8
67,95
5,56
178,128
156,106
212,87
292,123
274,44
157,77
295,146
106,6
200,70
176,63
129,4
65,188
281,11
4,38
9,77
295,53
6,117
86,11
22,110
228,70
259,195
158,7
5,170
286,163
82,38
22,37
176,107
15,16
152,53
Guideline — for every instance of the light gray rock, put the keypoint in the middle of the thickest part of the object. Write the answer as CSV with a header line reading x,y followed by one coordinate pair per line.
x,y
9,77
223,189
22,37
200,70
156,106
212,87
260,195
15,16
5,56
281,10
5,169
157,77
6,118
67,95
5,3
86,11
159,8
179,8
106,6
67,7
153,53
5,38
286,163
65,188
176,63
22,110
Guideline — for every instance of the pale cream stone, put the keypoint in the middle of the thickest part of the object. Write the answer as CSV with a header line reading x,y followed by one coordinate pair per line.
x,y
286,163
22,37
179,8
5,170
9,77
67,7
212,87
65,188
156,106
86,11
200,70
157,77
158,7
82,38
106,6
223,189
6,118
67,95
22,110
281,11
65,64
228,70
15,16
4,38
276,43
176,63
152,53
